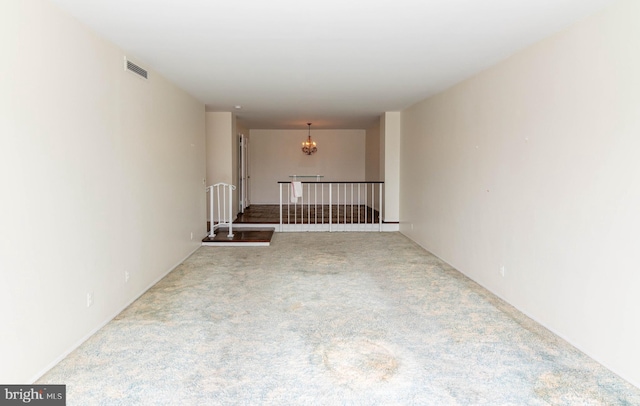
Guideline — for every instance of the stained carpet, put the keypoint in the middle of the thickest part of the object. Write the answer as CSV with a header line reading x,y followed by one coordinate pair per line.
x,y
319,318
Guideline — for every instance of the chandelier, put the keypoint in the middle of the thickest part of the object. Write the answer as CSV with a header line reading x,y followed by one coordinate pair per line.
x,y
308,146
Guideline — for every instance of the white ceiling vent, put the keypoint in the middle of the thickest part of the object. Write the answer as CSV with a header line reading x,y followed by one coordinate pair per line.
x,y
132,67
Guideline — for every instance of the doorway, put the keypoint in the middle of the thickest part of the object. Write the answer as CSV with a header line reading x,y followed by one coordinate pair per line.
x,y
244,178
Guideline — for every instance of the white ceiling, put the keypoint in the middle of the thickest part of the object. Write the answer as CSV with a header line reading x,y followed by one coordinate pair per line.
x,y
336,63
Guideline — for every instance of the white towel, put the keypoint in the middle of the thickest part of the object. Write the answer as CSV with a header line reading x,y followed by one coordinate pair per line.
x,y
296,191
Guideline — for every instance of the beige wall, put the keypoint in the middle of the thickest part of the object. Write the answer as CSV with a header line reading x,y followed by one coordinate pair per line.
x,y
374,167
222,152
390,128
101,173
533,165
235,159
276,154
220,137
372,154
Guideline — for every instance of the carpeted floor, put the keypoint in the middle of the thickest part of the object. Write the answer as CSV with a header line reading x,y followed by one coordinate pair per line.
x,y
319,318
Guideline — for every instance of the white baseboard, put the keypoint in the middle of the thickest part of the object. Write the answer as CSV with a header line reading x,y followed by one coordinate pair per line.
x,y
104,323
561,336
386,227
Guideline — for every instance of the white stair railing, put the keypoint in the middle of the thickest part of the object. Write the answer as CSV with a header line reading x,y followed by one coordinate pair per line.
x,y
332,206
220,207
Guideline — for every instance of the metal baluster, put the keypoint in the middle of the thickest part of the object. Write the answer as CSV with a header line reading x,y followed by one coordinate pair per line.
x,y
330,205
359,203
211,218
309,205
218,199
380,212
366,201
280,185
230,220
289,205
373,203
322,191
345,206
352,204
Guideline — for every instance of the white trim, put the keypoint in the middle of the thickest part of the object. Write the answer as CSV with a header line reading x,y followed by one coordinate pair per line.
x,y
561,336
386,227
235,244
109,319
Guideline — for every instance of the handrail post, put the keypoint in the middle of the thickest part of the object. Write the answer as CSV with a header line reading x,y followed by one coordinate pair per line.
x,y
280,184
211,220
322,202
224,216
338,206
330,206
366,202
217,194
380,213
351,207
230,187
344,214
309,206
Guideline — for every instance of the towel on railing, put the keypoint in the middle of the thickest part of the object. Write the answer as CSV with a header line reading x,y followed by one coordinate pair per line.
x,y
296,191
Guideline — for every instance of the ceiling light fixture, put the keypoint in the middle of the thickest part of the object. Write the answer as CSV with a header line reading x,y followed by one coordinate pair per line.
x,y
308,146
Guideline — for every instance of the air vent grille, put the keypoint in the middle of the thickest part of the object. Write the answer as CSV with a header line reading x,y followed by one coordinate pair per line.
x,y
132,67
